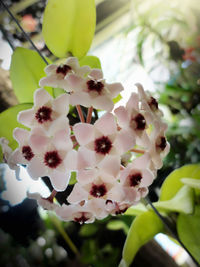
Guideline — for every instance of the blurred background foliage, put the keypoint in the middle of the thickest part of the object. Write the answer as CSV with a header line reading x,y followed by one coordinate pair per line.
x,y
166,45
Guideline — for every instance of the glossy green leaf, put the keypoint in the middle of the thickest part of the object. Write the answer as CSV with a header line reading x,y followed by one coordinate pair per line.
x,y
27,68
173,184
91,61
188,227
144,228
195,183
8,122
69,26
136,209
183,202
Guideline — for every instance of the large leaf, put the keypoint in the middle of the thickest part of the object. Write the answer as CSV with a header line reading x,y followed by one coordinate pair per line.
x,y
183,201
27,68
69,26
91,61
188,227
173,183
8,122
195,183
144,228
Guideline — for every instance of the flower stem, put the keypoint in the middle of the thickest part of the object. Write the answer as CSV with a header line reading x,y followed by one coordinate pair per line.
x,y
137,151
65,236
80,113
89,115
53,194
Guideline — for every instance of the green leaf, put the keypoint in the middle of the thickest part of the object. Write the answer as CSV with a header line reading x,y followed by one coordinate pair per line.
x,y
195,183
173,184
183,201
91,61
69,26
8,122
1,154
117,99
136,210
27,68
188,227
117,225
88,230
144,228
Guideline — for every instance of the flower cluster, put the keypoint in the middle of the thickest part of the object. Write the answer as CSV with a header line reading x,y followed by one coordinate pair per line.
x,y
115,159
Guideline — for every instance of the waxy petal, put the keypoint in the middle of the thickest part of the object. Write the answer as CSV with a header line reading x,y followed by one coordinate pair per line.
x,y
78,194
102,102
26,117
59,180
36,168
96,74
110,165
106,124
41,97
115,89
21,135
84,133
61,104
122,116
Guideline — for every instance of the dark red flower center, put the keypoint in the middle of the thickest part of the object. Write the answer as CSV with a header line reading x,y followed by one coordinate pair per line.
x,y
98,190
162,143
121,211
102,145
43,114
82,219
52,159
95,86
27,152
153,104
63,69
135,179
140,122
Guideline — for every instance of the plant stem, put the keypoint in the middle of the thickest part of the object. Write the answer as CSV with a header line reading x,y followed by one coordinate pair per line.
x,y
137,151
89,115
80,113
53,194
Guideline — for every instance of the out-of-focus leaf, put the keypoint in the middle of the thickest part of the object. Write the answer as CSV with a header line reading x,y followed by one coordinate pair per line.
x,y
1,154
91,61
8,122
117,225
69,26
117,99
88,230
195,183
144,228
136,210
183,201
188,230
27,68
173,184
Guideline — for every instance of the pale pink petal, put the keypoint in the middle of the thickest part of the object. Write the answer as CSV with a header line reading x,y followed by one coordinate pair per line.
x,y
41,97
39,142
74,82
62,141
97,206
26,117
141,91
84,133
78,194
61,123
124,141
21,135
86,176
96,74
110,165
116,193
102,102
50,69
17,158
59,180
80,98
133,102
72,62
106,124
71,160
54,81
82,71
61,104
147,178
130,194
141,162
36,168
86,158
43,202
115,89
122,116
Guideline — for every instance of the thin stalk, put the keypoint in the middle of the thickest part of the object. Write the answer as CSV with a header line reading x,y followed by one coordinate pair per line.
x,y
24,33
65,236
80,113
137,151
75,144
89,115
53,194
170,230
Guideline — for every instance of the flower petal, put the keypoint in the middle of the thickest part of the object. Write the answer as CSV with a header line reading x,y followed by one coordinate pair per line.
x,y
59,180
106,124
110,165
102,102
133,102
96,74
41,97
124,141
36,168
61,104
86,158
21,135
78,194
84,133
80,98
122,116
26,117
115,89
